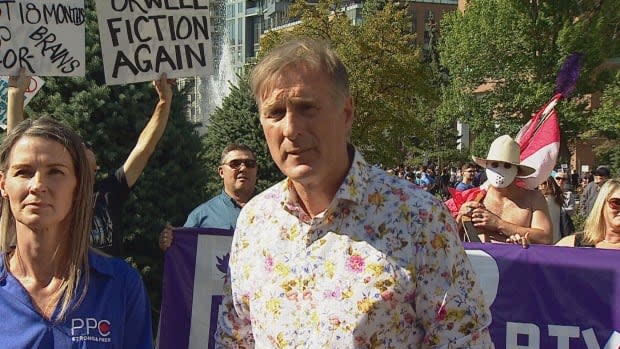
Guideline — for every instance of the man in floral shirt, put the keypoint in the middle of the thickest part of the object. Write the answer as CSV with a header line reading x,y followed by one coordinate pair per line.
x,y
340,254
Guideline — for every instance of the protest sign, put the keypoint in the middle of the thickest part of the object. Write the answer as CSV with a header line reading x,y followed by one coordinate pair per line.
x,y
141,39
540,297
35,85
45,37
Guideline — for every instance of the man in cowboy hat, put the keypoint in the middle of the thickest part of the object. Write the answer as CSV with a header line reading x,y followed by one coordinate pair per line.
x,y
507,211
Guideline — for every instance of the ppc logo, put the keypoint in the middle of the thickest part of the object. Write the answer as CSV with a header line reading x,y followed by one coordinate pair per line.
x,y
91,325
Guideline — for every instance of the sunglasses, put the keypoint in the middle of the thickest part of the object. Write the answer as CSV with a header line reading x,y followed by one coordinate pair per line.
x,y
236,163
614,203
496,164
560,179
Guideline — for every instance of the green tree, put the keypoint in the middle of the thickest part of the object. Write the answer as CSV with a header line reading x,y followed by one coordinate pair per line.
x,y
237,121
518,46
391,86
606,121
111,118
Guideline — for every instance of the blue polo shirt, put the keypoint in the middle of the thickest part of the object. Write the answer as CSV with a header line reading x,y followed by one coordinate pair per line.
x,y
220,212
114,314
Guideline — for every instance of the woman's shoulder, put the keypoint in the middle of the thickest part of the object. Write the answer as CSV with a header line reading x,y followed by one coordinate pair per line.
x,y
112,267
569,240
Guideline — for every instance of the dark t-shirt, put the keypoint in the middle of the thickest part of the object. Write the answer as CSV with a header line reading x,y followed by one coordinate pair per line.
x,y
111,194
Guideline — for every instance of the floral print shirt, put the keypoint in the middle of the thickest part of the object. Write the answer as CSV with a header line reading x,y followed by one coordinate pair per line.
x,y
381,267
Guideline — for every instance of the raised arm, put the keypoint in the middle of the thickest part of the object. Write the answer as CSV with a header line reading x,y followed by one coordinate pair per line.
x,y
15,108
152,132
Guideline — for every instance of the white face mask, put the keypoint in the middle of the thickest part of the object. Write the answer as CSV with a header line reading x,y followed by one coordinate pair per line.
x,y
498,175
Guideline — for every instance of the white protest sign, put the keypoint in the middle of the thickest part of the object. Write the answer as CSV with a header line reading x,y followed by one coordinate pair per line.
x,y
45,37
141,39
35,85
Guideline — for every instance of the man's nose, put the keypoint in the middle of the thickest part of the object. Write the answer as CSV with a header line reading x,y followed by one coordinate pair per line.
x,y
292,125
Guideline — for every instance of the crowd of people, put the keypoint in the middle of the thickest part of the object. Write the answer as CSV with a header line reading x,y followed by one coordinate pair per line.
x,y
340,247
565,194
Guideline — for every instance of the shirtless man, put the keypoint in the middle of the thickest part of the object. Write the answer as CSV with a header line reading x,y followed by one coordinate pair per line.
x,y
507,212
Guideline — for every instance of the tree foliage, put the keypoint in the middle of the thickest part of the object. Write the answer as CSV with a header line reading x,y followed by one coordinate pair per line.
x,y
518,46
237,121
606,121
111,118
392,88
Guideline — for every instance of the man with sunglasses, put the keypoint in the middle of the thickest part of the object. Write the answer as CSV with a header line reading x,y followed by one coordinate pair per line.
x,y
238,171
507,211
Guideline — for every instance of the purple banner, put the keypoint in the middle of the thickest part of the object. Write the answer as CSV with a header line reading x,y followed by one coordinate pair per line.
x,y
550,297
541,297
194,270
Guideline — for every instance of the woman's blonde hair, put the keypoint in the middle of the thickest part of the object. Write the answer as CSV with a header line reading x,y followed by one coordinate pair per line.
x,y
73,287
594,227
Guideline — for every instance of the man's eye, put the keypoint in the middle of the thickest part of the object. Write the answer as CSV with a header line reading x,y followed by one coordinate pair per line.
x,y
276,113
23,173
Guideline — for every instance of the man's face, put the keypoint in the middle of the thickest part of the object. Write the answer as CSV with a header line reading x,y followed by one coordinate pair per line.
x,y
500,174
598,179
306,126
469,173
238,171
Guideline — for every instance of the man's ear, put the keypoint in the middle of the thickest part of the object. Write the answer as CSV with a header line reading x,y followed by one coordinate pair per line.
x,y
349,110
220,170
2,184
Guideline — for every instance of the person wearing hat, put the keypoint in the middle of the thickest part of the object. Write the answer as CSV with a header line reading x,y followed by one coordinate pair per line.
x,y
507,212
601,175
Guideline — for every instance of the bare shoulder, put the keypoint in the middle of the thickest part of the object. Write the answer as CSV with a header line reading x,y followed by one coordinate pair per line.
x,y
567,241
535,197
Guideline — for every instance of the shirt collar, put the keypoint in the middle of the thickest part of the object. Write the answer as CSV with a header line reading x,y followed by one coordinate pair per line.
x,y
97,261
351,189
100,263
228,200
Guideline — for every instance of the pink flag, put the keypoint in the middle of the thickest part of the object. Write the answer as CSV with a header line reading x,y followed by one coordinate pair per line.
x,y
539,141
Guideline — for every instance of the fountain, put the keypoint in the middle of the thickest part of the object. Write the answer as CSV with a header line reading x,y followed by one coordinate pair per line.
x,y
208,92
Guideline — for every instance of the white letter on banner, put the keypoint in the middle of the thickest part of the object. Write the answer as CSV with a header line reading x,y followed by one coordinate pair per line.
x,y
513,329
564,333
614,341
590,338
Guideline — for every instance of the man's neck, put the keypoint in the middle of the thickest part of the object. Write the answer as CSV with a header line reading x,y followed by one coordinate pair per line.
x,y
240,197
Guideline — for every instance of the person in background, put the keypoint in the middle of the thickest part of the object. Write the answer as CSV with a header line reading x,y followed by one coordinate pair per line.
x,y
506,208
467,182
340,254
555,200
238,170
55,292
601,175
602,226
424,180
562,180
112,192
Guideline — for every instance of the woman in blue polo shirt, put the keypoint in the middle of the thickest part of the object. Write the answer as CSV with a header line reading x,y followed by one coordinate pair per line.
x,y
55,292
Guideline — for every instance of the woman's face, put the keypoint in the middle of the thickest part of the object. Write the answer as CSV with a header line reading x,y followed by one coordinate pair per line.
x,y
40,183
611,211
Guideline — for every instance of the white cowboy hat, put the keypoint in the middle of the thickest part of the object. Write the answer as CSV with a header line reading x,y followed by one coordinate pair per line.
x,y
505,149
